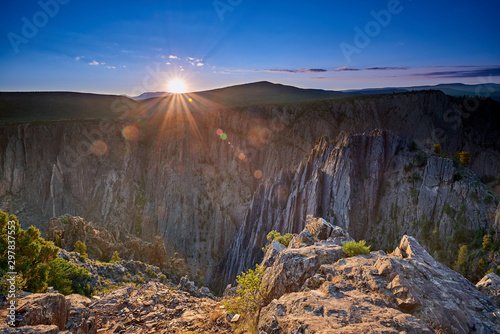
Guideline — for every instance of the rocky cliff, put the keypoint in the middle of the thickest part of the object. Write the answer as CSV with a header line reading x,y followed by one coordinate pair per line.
x,y
194,175
376,186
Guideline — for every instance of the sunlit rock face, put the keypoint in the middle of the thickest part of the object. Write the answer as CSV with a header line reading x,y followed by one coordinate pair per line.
x,y
373,185
212,181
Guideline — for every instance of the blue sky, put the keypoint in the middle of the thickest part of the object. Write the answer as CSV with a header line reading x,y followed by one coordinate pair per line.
x,y
127,47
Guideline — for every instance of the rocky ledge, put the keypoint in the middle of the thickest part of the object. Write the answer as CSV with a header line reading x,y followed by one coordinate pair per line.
x,y
313,289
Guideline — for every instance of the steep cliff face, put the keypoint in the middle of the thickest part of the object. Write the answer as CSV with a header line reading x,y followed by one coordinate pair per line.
x,y
167,171
374,186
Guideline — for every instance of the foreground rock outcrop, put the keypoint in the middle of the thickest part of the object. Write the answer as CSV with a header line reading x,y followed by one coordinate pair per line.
x,y
52,313
152,308
406,290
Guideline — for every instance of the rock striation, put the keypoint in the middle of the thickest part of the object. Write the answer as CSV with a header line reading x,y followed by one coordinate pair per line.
x,y
377,187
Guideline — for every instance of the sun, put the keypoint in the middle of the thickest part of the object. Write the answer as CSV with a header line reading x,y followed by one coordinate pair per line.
x,y
176,86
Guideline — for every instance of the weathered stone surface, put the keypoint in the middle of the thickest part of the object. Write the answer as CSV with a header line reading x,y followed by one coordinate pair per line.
x,y
42,309
272,253
156,308
336,308
81,320
101,244
417,284
490,286
293,266
371,291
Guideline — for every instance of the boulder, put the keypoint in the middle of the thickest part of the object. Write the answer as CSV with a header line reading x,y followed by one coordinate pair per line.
x,y
294,265
272,253
490,286
42,309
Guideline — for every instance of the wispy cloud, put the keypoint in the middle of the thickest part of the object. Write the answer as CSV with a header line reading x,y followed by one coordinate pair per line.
x,y
480,72
173,57
94,63
339,69
345,69
387,68
301,70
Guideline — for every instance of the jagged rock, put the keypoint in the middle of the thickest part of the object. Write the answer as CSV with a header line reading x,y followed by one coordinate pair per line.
x,y
336,309
186,285
103,274
156,308
417,284
42,309
101,244
293,266
272,253
81,320
313,287
490,286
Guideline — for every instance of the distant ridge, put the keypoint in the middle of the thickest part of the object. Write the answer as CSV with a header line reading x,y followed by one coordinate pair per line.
x,y
268,92
19,107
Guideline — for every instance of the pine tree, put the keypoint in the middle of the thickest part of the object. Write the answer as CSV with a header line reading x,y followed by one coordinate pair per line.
x,y
82,249
465,158
115,258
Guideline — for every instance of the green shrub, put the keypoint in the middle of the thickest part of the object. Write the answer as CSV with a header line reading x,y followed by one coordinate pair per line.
x,y
82,249
461,264
420,159
276,236
250,294
32,253
58,276
353,248
115,258
465,158
487,240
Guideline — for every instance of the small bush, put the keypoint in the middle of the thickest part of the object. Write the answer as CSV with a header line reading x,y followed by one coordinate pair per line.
x,y
353,248
465,158
487,240
313,225
82,249
115,258
250,294
282,239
